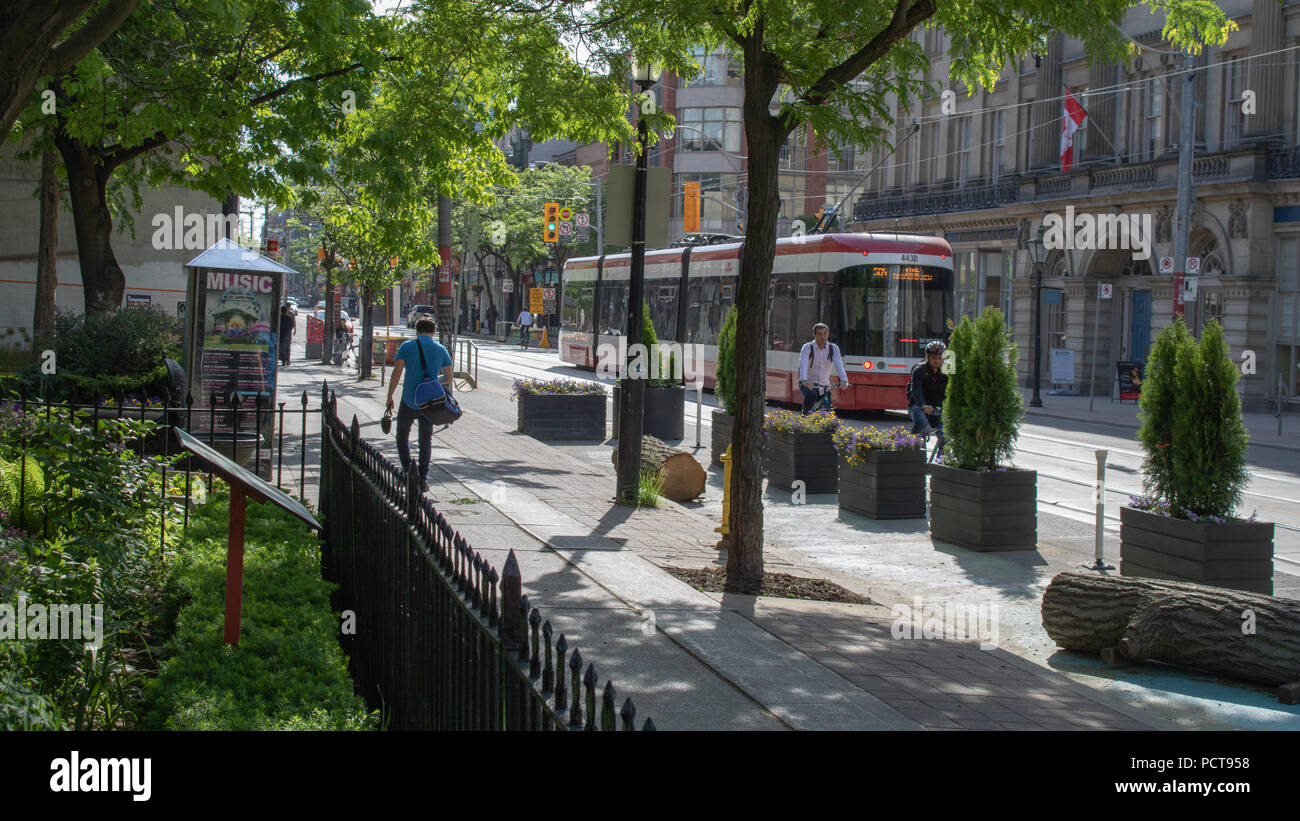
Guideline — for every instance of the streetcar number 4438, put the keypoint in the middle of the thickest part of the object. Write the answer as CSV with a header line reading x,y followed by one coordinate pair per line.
x,y
911,258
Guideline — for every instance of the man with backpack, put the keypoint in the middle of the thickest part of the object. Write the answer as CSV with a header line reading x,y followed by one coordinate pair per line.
x,y
815,362
421,359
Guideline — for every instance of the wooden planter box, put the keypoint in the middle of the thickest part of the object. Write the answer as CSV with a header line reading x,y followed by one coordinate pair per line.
x,y
889,485
664,415
562,416
1236,555
723,423
810,457
984,510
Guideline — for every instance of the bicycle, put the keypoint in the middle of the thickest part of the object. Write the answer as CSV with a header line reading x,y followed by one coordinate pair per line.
x,y
824,402
934,421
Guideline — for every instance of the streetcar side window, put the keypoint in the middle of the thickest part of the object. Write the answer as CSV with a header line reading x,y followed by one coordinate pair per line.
x,y
613,307
708,300
579,298
663,310
793,309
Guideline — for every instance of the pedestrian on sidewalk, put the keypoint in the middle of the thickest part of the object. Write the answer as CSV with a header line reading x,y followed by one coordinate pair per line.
x,y
288,325
525,324
420,358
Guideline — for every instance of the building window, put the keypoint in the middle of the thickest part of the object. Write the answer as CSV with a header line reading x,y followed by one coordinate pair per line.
x,y
716,67
1081,135
710,129
1234,121
998,146
966,287
963,151
719,210
1155,135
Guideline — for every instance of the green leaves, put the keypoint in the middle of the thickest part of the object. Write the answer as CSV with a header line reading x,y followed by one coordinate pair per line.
x,y
725,389
288,671
982,409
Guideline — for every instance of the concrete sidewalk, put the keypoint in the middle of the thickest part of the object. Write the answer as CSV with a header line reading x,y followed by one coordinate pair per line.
x,y
709,661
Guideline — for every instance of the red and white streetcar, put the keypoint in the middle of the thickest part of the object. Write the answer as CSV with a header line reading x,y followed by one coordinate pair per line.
x,y
884,296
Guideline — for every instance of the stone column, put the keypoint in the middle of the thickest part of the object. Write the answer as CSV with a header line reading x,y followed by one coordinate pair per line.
x,y
1046,145
1265,75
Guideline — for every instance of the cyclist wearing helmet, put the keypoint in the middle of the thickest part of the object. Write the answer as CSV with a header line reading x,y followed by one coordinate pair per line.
x,y
927,388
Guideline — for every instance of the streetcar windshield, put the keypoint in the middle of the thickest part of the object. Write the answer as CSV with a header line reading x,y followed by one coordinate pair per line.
x,y
892,310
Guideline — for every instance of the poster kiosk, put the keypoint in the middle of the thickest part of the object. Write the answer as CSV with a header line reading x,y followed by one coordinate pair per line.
x,y
232,327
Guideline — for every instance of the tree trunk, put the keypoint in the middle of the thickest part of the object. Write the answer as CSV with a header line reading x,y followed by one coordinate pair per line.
x,y
102,279
367,332
229,206
683,478
745,547
1227,632
47,276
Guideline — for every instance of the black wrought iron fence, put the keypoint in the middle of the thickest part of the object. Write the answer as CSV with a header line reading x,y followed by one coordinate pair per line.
x,y
241,429
441,640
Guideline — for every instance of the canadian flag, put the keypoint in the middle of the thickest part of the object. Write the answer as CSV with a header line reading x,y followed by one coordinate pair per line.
x,y
1074,117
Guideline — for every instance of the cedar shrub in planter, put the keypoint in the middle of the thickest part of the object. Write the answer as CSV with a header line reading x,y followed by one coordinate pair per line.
x,y
725,388
976,500
1195,470
799,447
561,409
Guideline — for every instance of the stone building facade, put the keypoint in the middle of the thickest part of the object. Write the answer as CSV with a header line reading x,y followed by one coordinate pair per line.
x,y
985,170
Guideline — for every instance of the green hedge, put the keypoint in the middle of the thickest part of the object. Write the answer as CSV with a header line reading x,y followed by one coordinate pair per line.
x,y
288,672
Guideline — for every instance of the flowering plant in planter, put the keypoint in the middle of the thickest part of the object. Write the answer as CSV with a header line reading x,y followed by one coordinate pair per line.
x,y
554,387
855,443
784,421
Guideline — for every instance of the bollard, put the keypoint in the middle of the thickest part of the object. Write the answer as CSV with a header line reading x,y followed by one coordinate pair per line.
x,y
1100,563
726,494
699,409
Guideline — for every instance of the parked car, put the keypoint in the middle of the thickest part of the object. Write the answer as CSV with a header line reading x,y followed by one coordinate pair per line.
x,y
419,312
343,315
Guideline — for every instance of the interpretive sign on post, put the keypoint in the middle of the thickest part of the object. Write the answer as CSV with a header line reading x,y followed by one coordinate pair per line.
x,y
243,484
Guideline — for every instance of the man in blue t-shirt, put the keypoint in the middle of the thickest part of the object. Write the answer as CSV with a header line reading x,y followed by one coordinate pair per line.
x,y
408,359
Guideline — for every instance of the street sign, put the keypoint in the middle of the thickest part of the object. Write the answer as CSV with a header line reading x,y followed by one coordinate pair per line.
x,y
582,234
1193,265
1189,288
507,287
1106,289
535,301
582,220
566,214
548,293
566,228
1166,265
1051,297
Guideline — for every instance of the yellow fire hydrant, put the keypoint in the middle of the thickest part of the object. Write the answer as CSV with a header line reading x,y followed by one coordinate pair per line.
x,y
726,494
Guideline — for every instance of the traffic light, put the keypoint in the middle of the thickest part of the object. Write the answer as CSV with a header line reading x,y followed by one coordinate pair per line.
x,y
551,223
691,207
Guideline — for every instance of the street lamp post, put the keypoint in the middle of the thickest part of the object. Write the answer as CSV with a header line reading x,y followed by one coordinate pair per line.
x,y
632,406
1038,254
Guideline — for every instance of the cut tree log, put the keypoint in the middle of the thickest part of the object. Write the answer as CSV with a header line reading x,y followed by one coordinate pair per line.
x,y
1228,632
683,478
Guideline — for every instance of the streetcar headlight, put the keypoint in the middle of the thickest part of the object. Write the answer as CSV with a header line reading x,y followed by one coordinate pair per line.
x,y
866,365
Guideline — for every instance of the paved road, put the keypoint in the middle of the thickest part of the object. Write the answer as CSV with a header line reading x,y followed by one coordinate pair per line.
x,y
1062,451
